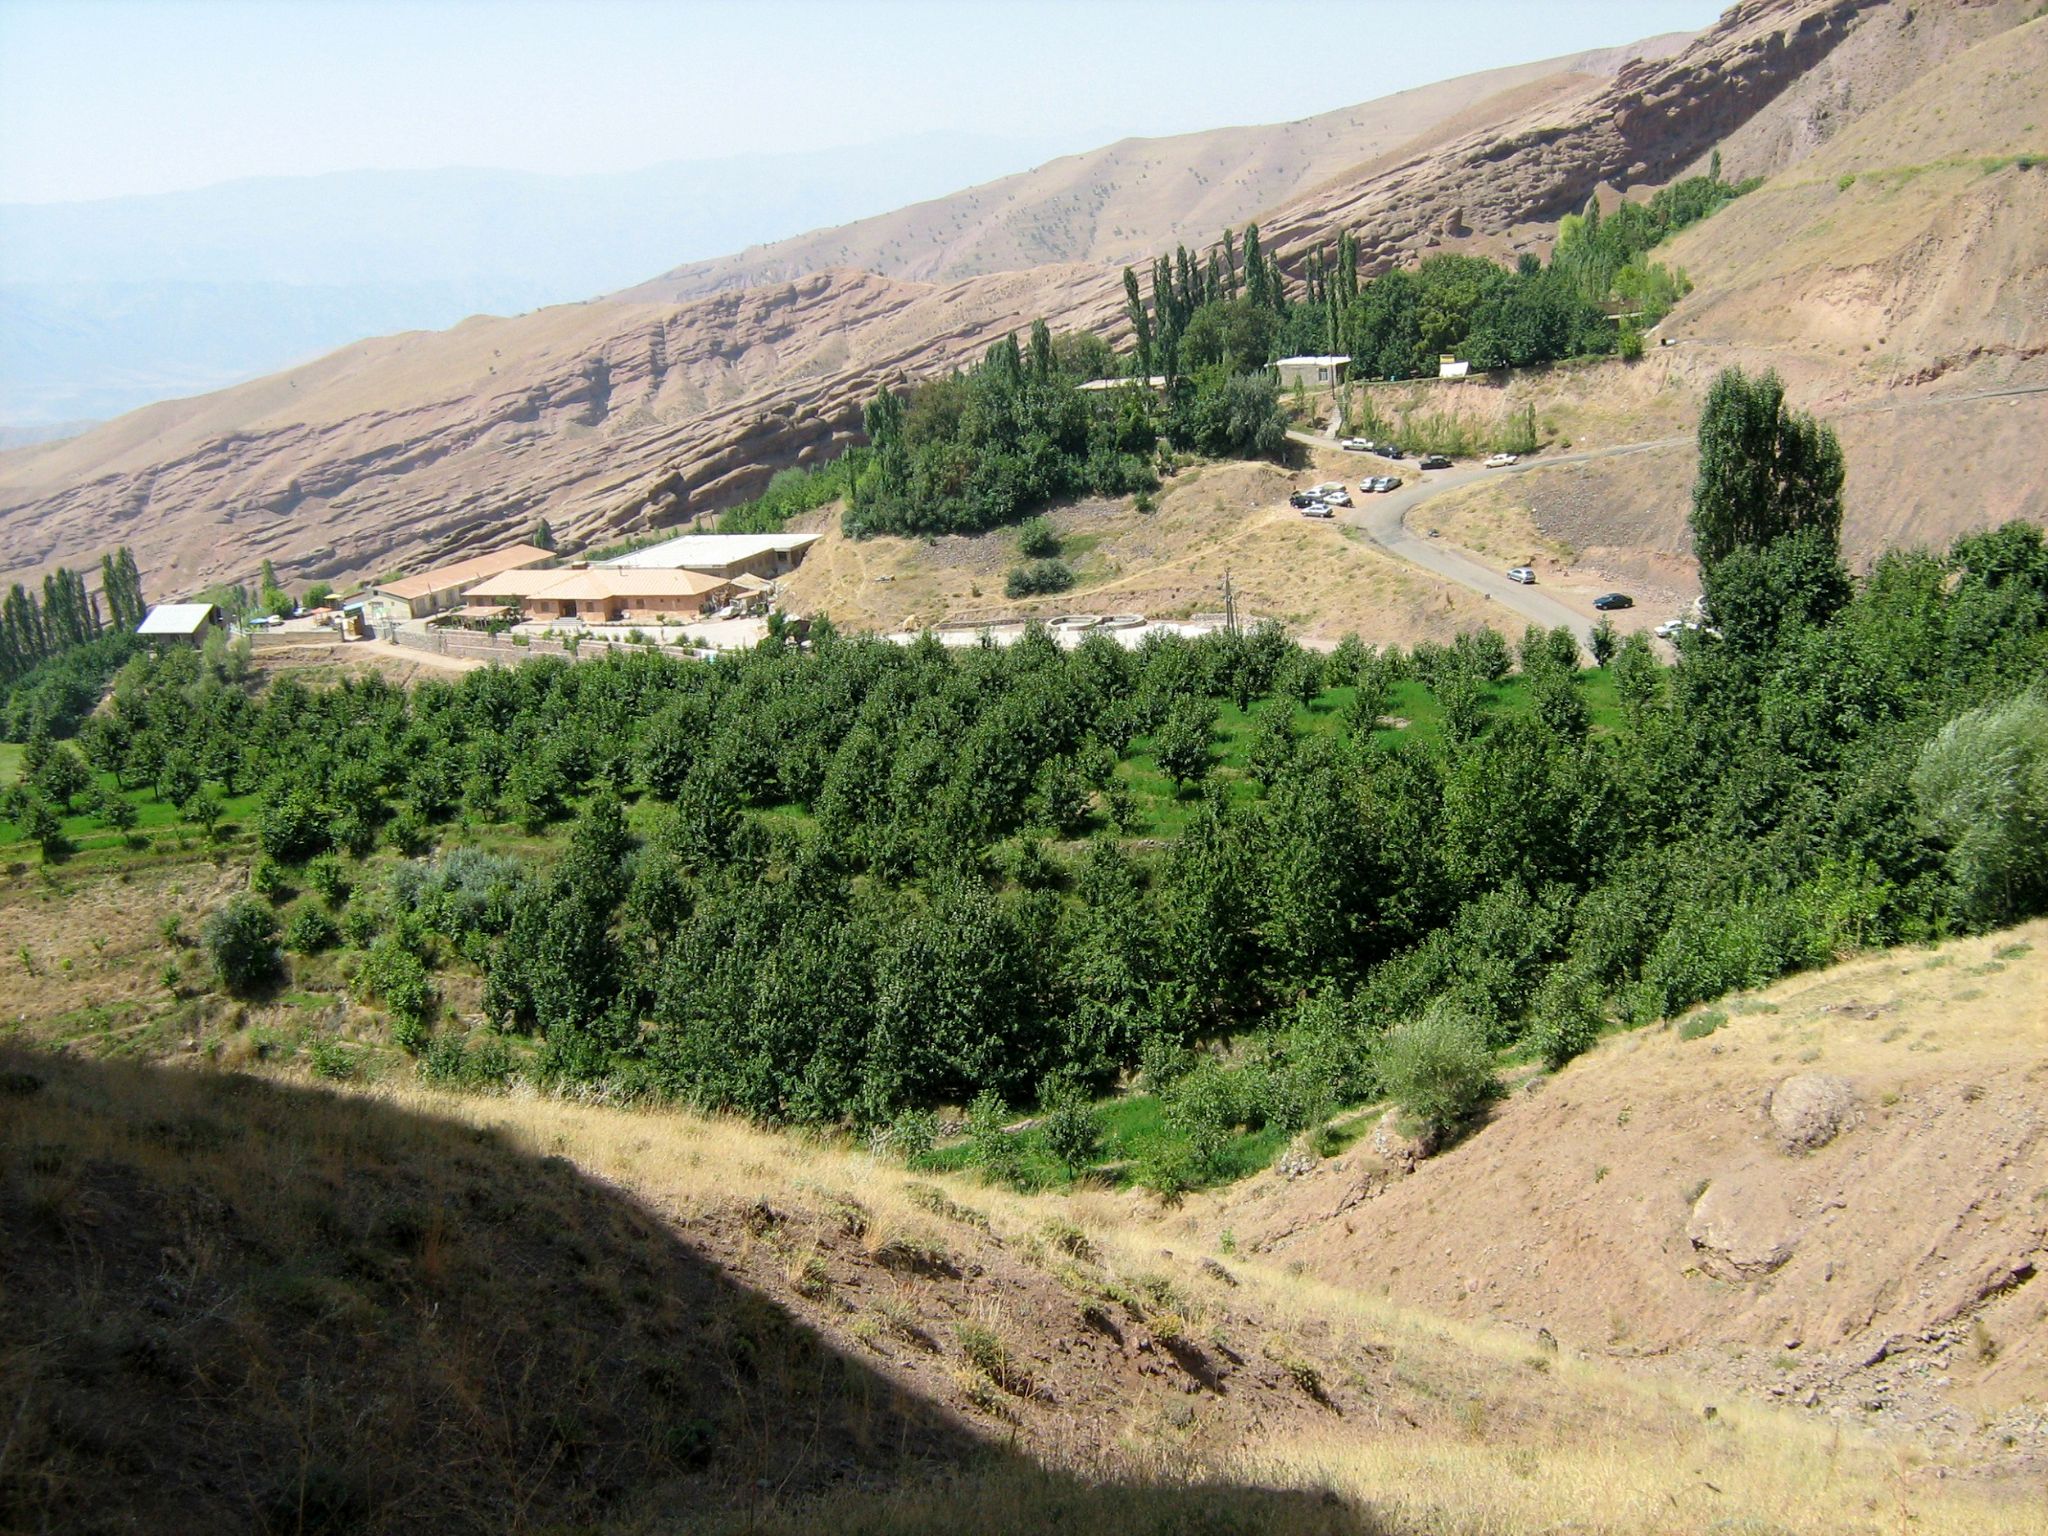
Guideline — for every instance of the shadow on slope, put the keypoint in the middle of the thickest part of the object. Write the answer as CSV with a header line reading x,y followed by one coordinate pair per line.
x,y
229,1303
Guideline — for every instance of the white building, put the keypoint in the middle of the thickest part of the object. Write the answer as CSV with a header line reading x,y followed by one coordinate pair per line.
x,y
190,622
1311,371
766,555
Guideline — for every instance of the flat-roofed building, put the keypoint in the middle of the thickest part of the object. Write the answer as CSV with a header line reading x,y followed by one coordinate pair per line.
x,y
1311,371
446,586
767,555
602,594
190,622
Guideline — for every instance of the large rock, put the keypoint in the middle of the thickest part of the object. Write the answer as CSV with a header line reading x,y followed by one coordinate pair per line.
x,y
1810,1109
1743,1228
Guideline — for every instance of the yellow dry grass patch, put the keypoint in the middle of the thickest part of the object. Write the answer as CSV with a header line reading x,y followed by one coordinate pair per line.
x,y
1493,519
1318,577
1523,1441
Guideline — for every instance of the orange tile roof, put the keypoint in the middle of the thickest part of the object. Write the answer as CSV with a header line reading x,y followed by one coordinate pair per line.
x,y
462,573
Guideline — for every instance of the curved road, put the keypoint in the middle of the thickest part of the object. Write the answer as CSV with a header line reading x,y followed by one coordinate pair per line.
x,y
1383,519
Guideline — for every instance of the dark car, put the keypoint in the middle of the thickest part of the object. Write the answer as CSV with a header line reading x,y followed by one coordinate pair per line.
x,y
1390,450
1611,600
1435,461
1301,499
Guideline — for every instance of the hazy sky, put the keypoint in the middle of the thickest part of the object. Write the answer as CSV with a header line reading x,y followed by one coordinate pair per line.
x,y
100,98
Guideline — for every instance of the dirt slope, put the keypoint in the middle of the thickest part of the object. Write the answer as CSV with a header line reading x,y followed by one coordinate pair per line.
x,y
1135,198
1686,1199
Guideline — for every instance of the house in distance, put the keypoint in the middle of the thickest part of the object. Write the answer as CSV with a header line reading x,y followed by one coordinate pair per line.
x,y
1313,372
725,555
445,586
175,623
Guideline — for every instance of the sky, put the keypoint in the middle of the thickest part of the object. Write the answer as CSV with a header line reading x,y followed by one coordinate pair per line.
x,y
106,98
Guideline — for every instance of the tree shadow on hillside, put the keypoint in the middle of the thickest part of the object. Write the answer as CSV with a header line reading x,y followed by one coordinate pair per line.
x,y
229,1303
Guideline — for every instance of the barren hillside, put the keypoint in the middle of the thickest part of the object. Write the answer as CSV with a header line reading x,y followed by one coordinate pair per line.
x,y
1137,197
1838,1198
640,411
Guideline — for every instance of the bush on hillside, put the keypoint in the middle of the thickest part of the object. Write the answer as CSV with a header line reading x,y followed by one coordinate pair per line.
x,y
1437,1068
1037,539
1035,578
241,941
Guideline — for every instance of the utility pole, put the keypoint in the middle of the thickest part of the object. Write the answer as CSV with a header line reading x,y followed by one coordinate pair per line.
x,y
1229,603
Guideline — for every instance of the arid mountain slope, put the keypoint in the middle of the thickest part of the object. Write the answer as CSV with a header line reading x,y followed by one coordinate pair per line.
x,y
621,414
1838,1197
1126,202
1897,278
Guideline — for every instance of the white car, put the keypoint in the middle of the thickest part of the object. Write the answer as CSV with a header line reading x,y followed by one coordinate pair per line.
x,y
1327,488
1503,460
1355,445
1318,509
1524,575
1337,498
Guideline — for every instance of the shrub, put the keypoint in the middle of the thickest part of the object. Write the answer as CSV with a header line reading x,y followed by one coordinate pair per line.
x,y
1067,1121
241,941
326,876
1037,577
310,931
1568,1018
1437,1068
1701,1025
1605,642
1036,539
333,1061
1208,1106
991,1146
913,1133
266,878
394,975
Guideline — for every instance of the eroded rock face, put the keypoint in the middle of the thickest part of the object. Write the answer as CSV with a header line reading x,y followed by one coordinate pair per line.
x,y
1742,1228
1810,1109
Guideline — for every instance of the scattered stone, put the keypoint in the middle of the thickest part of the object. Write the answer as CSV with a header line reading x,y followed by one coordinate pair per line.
x,y
1810,1109
1395,1147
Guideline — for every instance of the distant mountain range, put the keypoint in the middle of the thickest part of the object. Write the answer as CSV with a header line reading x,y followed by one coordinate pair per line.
x,y
112,304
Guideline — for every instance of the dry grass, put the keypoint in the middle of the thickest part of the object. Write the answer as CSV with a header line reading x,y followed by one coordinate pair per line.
x,y
1168,564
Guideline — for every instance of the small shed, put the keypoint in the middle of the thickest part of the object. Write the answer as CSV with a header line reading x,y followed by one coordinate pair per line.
x,y
1313,372
187,622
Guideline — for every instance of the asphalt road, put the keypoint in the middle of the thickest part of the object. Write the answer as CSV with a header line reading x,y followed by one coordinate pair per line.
x,y
1384,519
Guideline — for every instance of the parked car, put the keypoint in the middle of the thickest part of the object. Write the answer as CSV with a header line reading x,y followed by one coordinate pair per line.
x,y
1390,451
1301,499
1671,628
1368,485
1355,445
1608,601
1326,487
1503,460
1434,461
1387,483
1319,509
1524,575
1337,498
